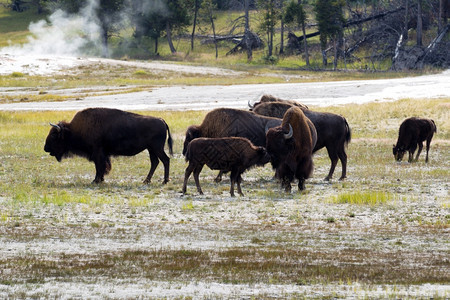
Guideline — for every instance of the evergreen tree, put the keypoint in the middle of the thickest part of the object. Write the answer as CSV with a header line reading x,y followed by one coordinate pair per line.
x,y
271,15
295,13
330,18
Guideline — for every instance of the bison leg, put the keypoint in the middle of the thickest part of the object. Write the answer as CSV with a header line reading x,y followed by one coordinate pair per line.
x,y
411,152
108,166
301,184
239,180
154,156
286,183
153,164
102,165
343,157
166,162
428,147
333,166
187,173
197,171
219,176
235,177
332,154
419,150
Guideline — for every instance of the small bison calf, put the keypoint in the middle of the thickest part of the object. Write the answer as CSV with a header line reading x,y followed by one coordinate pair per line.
x,y
228,154
413,131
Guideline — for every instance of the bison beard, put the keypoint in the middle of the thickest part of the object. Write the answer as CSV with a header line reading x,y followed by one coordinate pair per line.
x,y
290,147
232,154
99,133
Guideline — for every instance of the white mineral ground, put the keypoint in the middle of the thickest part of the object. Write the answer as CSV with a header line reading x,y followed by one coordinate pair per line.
x,y
211,96
222,224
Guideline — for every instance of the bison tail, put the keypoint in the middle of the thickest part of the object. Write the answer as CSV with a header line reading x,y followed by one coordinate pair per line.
x,y
187,155
435,127
348,134
169,140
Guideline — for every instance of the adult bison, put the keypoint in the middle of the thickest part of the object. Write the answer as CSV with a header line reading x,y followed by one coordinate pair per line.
x,y
99,133
269,99
290,146
228,154
333,131
229,122
413,131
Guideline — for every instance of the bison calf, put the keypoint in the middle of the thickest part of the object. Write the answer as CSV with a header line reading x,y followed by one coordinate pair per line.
x,y
229,154
413,131
99,133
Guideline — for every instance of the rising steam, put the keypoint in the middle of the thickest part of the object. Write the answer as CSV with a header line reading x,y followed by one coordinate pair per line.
x,y
64,34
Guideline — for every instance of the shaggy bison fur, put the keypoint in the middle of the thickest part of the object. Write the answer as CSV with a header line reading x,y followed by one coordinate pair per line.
x,y
230,154
290,146
99,133
333,131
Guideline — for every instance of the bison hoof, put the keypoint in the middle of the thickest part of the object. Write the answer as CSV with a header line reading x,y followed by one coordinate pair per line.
x,y
166,181
342,178
97,181
146,181
328,178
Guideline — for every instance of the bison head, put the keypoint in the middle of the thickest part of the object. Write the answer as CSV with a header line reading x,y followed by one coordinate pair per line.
x,y
56,143
398,152
263,156
279,143
192,132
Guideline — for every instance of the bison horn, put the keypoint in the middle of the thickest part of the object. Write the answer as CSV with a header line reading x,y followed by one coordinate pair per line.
x,y
56,126
290,133
250,105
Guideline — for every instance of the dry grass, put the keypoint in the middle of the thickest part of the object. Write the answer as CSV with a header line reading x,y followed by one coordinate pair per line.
x,y
60,228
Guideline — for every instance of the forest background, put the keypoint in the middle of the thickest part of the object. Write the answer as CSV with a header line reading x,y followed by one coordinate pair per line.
x,y
295,34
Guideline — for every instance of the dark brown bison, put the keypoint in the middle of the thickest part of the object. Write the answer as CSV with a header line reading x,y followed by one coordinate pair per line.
x,y
231,154
290,146
413,131
99,133
228,122
333,131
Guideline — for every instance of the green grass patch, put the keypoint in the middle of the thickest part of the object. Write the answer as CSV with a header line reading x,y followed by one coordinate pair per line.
x,y
364,198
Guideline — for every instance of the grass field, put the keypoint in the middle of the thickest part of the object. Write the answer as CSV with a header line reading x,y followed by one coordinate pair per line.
x,y
383,232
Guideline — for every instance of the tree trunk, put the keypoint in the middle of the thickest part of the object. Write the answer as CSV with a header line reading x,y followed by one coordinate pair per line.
x,y
282,37
214,32
335,42
169,38
156,46
419,23
441,8
270,43
247,31
323,45
104,36
405,29
194,24
305,44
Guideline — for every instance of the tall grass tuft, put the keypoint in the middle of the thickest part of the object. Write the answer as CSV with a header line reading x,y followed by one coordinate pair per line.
x,y
364,198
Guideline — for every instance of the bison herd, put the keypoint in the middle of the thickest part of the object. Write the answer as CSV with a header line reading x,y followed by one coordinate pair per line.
x,y
282,132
